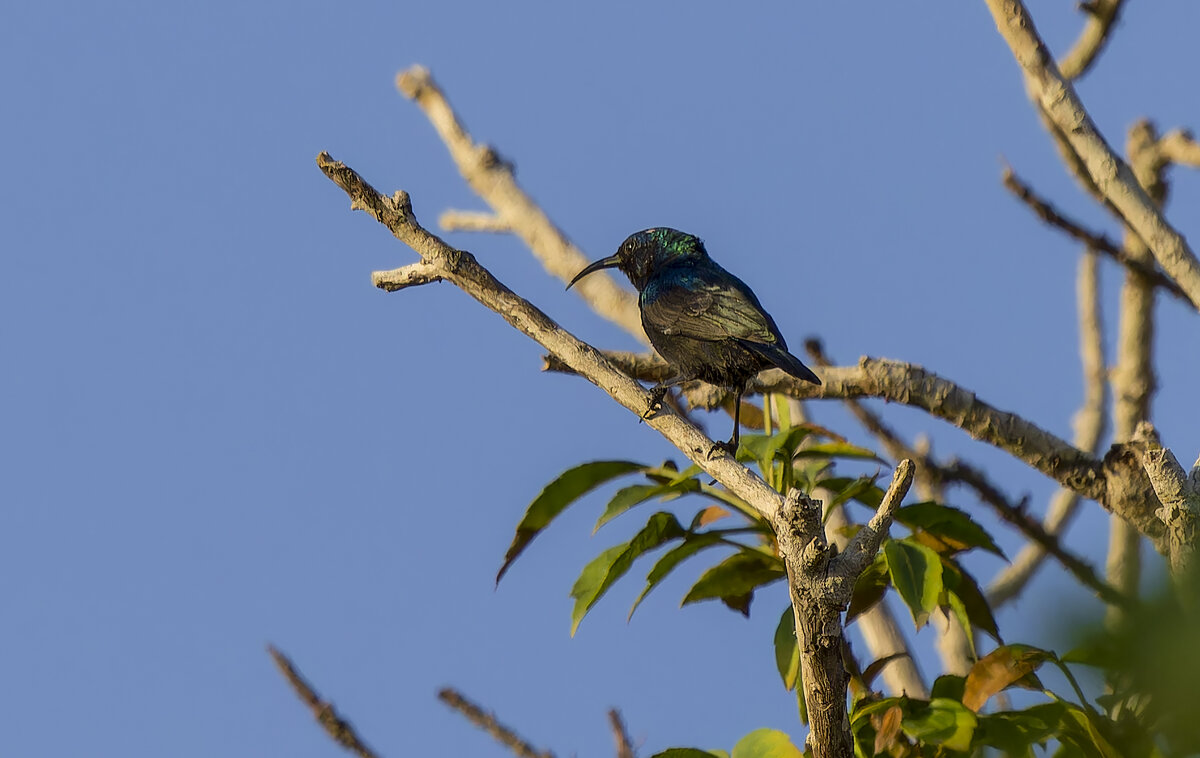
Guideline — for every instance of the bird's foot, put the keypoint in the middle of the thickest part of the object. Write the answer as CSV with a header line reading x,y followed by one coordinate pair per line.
x,y
657,394
729,448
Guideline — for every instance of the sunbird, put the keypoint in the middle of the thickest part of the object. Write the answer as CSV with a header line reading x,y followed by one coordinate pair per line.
x,y
704,321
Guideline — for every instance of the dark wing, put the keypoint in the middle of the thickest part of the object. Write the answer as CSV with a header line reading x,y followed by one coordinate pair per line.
x,y
706,310
724,309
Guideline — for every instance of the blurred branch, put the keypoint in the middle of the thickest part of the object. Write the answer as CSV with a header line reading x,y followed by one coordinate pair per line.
x,y
1179,146
488,723
1111,176
1089,422
1018,516
472,221
1102,16
821,581
1133,376
338,728
620,734
1094,240
464,271
492,179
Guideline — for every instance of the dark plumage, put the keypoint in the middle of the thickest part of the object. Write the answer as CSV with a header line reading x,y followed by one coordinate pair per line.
x,y
702,319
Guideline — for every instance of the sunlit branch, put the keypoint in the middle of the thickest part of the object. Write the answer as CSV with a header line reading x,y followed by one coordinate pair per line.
x,y
1110,175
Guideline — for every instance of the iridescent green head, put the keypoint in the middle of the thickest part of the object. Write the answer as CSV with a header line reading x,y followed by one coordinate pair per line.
x,y
647,251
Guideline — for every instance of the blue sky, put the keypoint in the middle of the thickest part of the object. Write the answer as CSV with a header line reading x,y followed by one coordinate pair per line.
x,y
217,434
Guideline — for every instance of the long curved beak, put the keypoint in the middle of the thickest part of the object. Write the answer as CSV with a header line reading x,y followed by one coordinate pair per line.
x,y
608,262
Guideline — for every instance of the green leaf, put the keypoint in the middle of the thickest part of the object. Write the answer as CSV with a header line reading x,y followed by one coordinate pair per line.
x,y
949,685
779,446
557,495
839,450
916,573
942,722
766,743
1016,732
856,487
612,564
869,588
787,652
636,494
955,603
861,711
1088,729
950,525
870,496
976,605
626,498
688,752
692,544
734,579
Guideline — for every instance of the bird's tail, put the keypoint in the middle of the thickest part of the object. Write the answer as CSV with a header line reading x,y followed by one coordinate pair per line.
x,y
782,359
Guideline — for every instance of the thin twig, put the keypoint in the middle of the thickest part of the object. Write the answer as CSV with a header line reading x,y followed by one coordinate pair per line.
x,y
1179,146
1093,240
338,728
493,180
412,275
1102,17
862,548
488,723
1017,515
1110,174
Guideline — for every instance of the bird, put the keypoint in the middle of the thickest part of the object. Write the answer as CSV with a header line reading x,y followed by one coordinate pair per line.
x,y
704,321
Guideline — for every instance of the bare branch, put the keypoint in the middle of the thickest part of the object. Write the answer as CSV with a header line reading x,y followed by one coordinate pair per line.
x,y
1110,174
861,550
488,723
338,728
460,268
1102,16
647,367
1094,240
472,221
407,276
620,734
1116,481
1180,147
820,584
492,179
879,627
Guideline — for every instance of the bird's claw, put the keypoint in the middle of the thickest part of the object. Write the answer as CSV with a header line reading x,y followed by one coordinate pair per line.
x,y
730,448
656,400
